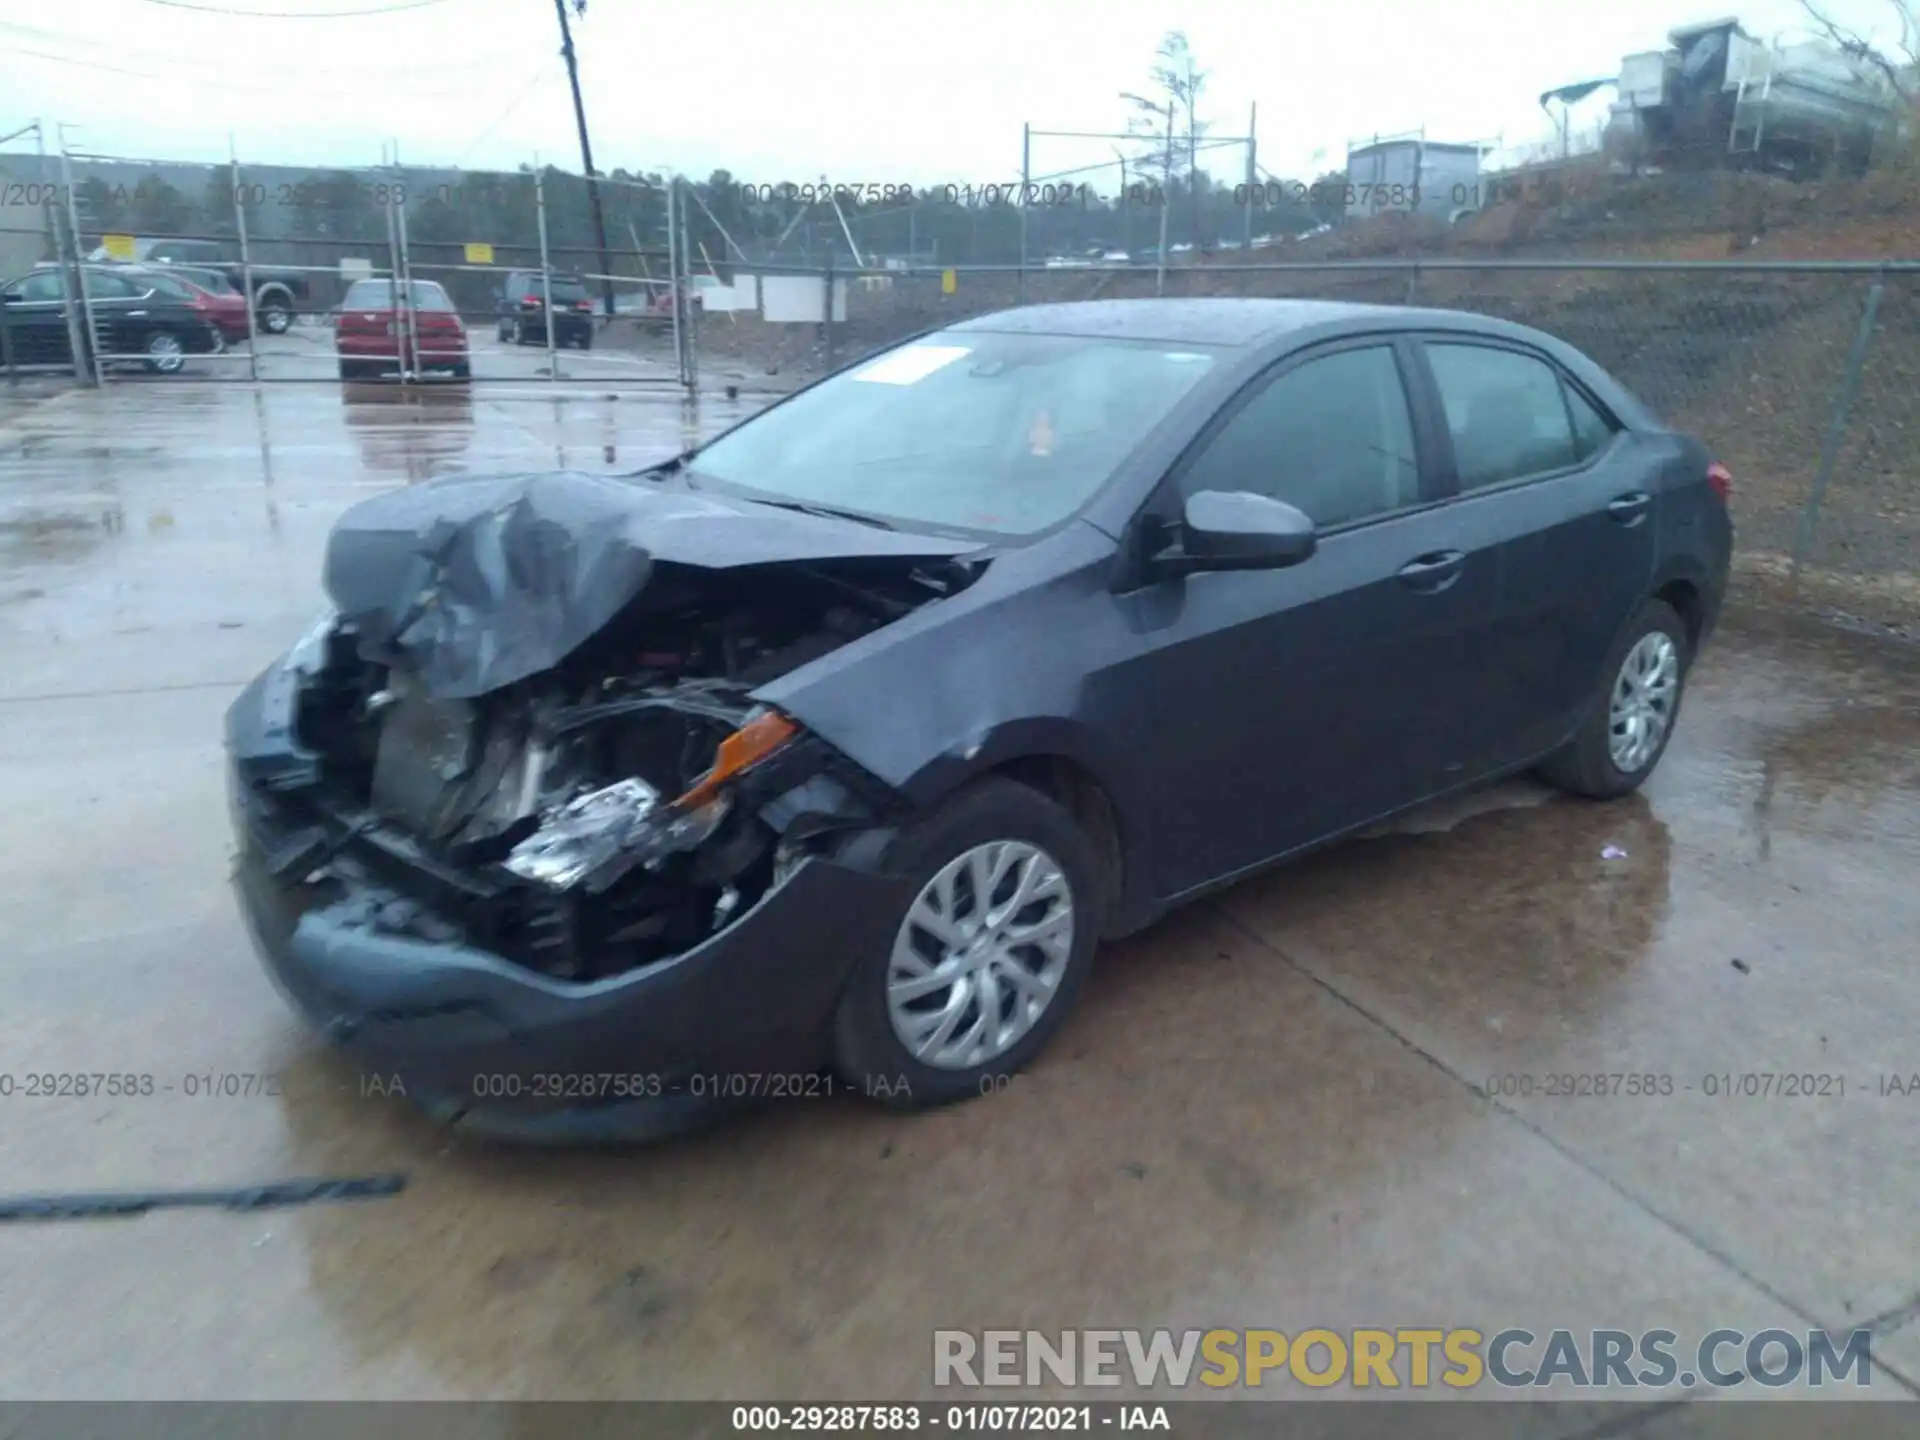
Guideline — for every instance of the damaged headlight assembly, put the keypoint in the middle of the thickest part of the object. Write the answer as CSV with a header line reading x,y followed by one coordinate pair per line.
x,y
309,652
596,838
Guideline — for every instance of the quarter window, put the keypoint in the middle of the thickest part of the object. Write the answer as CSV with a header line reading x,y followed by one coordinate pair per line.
x,y
1331,437
1511,415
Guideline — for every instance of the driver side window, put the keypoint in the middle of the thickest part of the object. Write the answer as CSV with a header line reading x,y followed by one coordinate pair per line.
x,y
1331,437
41,286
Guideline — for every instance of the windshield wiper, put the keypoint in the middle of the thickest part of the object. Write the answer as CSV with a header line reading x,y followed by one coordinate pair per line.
x,y
665,468
826,511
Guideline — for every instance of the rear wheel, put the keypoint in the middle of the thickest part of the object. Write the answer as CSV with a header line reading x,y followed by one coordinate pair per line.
x,y
462,371
1632,714
516,333
987,958
276,315
352,370
165,354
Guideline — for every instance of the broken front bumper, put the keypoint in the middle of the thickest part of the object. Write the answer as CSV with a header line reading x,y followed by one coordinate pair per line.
x,y
501,1049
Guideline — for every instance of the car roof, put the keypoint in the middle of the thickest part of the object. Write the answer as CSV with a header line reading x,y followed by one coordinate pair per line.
x,y
1220,320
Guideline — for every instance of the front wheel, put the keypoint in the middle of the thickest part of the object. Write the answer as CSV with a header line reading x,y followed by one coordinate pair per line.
x,y
988,957
1631,716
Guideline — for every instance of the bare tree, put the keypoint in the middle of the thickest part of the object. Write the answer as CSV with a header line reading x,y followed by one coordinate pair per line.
x,y
1898,64
1169,114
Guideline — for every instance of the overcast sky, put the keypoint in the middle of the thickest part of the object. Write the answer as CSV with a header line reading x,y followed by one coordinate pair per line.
x,y
894,92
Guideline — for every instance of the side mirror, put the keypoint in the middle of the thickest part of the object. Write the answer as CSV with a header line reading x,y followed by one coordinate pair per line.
x,y
1237,530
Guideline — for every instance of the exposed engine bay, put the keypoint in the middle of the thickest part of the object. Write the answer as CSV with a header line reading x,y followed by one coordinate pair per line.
x,y
624,805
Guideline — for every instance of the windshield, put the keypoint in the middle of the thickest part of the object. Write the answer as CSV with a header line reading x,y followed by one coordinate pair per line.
x,y
378,295
976,431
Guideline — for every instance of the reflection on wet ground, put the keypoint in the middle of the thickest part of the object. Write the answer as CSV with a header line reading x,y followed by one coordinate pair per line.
x,y
1328,1097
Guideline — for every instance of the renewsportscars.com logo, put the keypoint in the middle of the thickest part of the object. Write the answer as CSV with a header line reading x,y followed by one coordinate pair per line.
x,y
1409,1359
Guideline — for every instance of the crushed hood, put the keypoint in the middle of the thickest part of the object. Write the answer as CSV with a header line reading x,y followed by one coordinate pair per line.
x,y
475,582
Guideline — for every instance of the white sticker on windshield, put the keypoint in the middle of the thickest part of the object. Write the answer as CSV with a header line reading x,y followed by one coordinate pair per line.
x,y
915,362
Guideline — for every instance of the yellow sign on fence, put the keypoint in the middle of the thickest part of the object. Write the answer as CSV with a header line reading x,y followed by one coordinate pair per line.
x,y
949,282
478,254
118,247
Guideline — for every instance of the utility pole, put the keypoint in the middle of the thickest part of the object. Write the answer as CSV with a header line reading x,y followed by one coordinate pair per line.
x,y
586,149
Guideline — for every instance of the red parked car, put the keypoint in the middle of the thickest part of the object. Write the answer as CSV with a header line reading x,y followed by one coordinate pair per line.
x,y
226,312
373,335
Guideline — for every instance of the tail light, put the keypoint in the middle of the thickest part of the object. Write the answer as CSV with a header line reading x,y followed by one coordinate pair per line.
x,y
1720,480
584,305
530,300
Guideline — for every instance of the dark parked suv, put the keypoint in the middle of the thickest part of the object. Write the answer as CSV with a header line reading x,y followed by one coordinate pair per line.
x,y
523,300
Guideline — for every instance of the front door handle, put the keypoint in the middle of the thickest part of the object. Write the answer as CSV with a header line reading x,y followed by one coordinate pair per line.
x,y
1434,571
1631,508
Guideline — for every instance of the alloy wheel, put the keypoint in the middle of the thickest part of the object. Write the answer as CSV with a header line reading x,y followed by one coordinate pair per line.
x,y
165,352
1644,693
980,954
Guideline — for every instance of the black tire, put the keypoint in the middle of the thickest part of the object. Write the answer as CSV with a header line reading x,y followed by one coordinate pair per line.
x,y
351,370
1585,765
463,371
586,339
275,315
516,333
867,1051
500,331
166,353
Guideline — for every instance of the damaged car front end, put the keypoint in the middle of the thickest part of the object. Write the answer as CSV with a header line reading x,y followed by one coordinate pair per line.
x,y
514,827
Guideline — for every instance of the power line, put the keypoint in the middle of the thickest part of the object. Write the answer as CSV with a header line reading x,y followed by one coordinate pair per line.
x,y
189,63
205,84
494,124
297,14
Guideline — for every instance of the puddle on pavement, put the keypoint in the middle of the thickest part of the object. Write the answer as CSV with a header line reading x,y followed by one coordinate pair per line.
x,y
410,433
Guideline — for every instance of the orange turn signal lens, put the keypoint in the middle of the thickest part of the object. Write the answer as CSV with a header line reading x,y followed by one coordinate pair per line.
x,y
747,746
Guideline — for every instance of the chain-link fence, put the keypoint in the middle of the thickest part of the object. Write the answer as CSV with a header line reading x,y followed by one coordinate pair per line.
x,y
1800,377
382,272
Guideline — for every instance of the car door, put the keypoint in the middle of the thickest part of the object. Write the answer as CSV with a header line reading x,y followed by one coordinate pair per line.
x,y
37,318
119,316
1564,496
1277,708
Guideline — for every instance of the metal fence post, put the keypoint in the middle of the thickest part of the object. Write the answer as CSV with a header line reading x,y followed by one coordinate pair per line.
x,y
396,268
1413,284
408,318
246,261
673,278
826,309
1836,430
1026,177
546,271
690,328
89,337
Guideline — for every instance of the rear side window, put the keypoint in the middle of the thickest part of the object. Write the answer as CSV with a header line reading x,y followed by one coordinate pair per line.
x,y
1331,437
102,285
1511,415
168,286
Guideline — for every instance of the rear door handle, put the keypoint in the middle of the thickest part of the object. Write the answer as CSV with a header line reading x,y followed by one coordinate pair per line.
x,y
1630,508
1433,571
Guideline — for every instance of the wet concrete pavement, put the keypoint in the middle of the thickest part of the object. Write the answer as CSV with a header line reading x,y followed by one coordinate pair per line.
x,y
1266,1111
